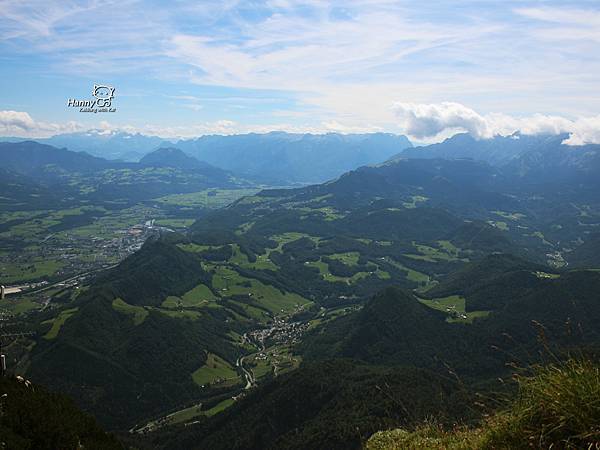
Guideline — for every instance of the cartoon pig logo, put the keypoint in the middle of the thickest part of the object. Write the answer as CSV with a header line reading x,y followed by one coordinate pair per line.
x,y
104,95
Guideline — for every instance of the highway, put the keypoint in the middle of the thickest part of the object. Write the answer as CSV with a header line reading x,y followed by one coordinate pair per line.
x,y
18,289
14,289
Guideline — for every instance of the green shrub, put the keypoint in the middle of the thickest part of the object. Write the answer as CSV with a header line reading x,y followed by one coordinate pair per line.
x,y
427,436
557,407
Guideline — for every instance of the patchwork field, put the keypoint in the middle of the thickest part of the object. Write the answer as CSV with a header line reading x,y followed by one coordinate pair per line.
x,y
55,244
208,198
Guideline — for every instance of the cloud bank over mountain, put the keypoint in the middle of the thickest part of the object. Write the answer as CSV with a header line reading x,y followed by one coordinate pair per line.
x,y
433,121
423,122
20,123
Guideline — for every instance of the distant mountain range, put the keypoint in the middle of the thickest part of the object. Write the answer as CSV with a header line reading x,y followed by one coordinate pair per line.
x,y
109,144
286,158
273,158
281,158
317,158
540,157
496,151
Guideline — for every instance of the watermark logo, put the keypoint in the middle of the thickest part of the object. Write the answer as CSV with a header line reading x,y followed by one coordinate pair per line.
x,y
103,96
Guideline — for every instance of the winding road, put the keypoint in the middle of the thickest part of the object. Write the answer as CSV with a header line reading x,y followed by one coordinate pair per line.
x,y
250,380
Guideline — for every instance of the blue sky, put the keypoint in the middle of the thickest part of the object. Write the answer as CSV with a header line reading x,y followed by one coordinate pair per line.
x,y
183,68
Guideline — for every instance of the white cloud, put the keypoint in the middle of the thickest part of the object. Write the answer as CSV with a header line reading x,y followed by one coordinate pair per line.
x,y
587,131
433,122
342,65
21,124
585,17
16,120
350,68
320,51
428,120
565,24
422,122
342,61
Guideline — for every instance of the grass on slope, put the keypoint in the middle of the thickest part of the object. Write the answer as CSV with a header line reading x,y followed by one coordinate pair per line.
x,y
415,199
215,371
556,407
412,275
199,295
219,407
138,313
454,305
229,283
348,259
189,414
262,261
185,314
193,412
446,252
286,238
58,322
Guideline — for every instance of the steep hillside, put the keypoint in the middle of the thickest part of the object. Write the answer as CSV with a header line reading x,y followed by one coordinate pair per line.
x,y
587,254
486,237
127,338
143,357
33,418
158,269
333,405
492,282
392,327
32,158
555,407
335,402
395,327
